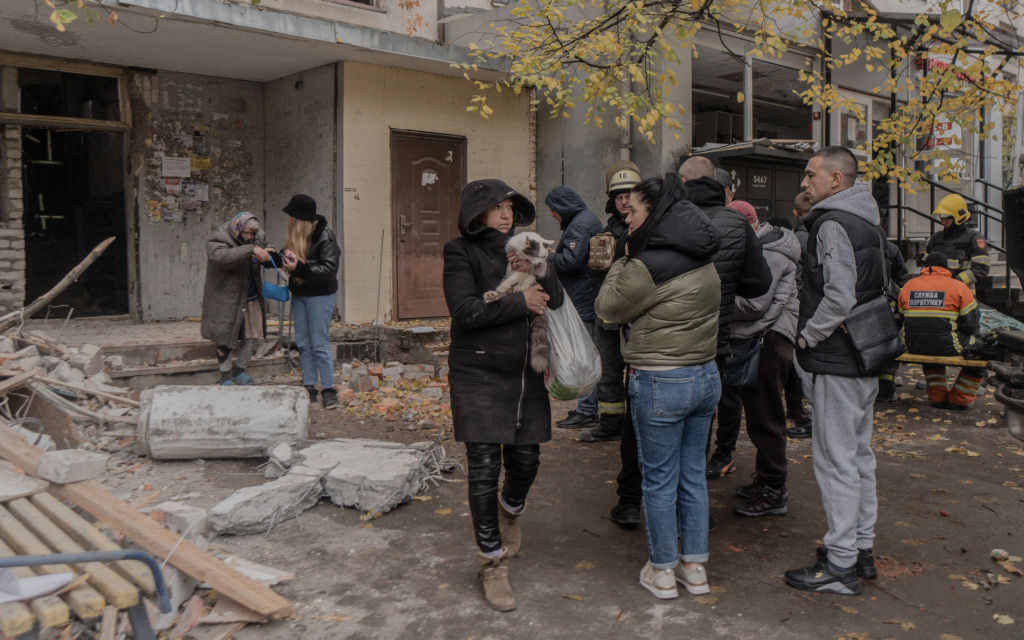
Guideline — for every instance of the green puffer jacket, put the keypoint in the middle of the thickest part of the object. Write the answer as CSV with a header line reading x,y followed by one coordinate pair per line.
x,y
669,292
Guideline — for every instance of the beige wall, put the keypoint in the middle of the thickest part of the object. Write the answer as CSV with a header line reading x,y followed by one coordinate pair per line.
x,y
378,99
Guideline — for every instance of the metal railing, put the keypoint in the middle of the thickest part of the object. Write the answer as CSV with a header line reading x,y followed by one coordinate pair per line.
x,y
984,218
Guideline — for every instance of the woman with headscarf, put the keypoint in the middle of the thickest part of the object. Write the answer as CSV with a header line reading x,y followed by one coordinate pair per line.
x,y
666,293
312,256
500,408
233,308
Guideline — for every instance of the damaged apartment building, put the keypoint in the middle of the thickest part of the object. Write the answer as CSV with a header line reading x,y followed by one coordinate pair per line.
x,y
162,124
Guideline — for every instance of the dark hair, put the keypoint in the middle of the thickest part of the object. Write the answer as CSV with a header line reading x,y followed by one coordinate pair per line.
x,y
780,221
840,159
649,192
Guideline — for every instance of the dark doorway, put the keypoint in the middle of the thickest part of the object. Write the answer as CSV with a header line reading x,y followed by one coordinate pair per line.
x,y
428,172
74,199
769,185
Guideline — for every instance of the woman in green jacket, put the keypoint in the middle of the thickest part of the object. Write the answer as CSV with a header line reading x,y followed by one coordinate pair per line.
x,y
666,293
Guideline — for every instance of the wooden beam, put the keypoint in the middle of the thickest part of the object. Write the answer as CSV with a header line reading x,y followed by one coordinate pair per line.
x,y
89,536
62,123
15,619
117,591
16,381
201,565
86,390
955,361
84,600
50,611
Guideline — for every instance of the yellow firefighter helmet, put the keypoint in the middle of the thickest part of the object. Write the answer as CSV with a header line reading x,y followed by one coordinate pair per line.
x,y
953,206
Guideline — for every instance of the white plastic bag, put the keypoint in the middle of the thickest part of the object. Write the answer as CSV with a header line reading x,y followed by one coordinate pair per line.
x,y
575,362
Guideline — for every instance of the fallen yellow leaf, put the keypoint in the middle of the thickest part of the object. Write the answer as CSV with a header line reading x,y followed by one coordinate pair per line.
x,y
937,437
572,596
583,565
907,626
706,600
971,586
918,476
849,610
956,576
446,511
1002,618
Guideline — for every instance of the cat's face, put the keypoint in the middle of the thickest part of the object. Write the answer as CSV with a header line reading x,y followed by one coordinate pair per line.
x,y
531,247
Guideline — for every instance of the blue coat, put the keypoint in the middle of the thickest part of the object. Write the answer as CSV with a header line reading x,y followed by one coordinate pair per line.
x,y
570,258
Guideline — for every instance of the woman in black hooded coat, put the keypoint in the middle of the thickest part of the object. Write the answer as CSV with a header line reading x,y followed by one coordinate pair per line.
x,y
500,407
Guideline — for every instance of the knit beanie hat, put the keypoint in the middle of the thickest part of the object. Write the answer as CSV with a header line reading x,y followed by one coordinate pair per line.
x,y
746,209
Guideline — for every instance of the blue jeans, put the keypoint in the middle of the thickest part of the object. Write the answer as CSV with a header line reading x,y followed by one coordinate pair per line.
x,y
311,317
672,412
588,406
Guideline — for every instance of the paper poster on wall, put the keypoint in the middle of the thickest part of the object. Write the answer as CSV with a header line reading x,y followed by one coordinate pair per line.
x,y
172,185
174,167
199,145
202,192
188,189
200,163
173,215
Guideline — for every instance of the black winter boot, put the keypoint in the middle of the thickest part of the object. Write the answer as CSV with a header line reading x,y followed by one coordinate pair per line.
x,y
609,428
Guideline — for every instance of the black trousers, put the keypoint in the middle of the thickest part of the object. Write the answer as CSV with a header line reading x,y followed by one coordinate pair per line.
x,y
794,396
629,479
484,462
766,416
611,389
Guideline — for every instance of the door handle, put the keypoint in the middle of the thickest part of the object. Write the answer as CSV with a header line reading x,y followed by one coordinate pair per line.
x,y
403,226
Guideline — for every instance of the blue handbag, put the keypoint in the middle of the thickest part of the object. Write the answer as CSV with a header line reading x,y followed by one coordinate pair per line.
x,y
277,292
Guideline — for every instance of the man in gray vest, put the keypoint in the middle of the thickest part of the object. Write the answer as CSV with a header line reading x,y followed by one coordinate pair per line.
x,y
843,267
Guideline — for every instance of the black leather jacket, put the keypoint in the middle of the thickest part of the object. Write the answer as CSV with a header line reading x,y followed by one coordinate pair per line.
x,y
317,275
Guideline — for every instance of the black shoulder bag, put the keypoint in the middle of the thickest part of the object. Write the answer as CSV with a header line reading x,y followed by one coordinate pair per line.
x,y
873,331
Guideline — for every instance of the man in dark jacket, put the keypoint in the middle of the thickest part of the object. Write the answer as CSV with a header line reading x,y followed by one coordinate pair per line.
x,y
569,260
741,267
620,179
844,267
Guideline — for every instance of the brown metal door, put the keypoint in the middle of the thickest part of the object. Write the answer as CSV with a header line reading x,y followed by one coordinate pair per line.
x,y
427,175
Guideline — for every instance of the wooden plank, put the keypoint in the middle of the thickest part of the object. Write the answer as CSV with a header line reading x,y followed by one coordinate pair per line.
x,y
17,381
86,390
117,591
201,565
108,626
51,611
15,619
92,538
955,361
84,600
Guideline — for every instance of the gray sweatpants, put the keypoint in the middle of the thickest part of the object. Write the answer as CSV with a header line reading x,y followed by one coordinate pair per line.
x,y
844,464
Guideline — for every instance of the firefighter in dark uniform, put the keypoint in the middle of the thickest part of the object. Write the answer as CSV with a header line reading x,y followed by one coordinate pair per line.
x,y
963,246
942,319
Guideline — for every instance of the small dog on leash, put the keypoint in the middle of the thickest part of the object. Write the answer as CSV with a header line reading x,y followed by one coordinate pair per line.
x,y
534,249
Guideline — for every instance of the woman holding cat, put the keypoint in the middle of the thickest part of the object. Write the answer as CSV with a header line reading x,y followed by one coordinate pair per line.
x,y
666,293
500,407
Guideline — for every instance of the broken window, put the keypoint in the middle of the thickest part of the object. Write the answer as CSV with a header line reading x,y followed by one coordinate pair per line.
x,y
74,95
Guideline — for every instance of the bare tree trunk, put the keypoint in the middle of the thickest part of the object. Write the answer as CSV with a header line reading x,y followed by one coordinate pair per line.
x,y
13,318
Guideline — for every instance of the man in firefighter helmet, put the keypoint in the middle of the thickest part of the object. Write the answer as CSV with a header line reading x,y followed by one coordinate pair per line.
x,y
964,248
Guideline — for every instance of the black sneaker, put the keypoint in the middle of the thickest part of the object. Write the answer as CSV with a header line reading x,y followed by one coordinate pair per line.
x,y
801,429
719,466
625,514
312,393
762,501
578,421
825,578
746,490
329,397
567,418
865,565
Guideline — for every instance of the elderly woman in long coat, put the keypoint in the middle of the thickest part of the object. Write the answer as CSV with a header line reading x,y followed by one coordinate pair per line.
x,y
500,408
233,308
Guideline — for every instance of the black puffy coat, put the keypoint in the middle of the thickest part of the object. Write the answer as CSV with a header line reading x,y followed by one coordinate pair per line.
x,y
317,275
496,396
579,224
740,263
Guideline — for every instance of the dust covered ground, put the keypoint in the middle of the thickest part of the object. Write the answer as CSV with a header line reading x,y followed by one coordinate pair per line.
x,y
950,485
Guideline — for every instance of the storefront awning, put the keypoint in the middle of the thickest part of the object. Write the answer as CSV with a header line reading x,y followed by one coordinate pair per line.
x,y
793,151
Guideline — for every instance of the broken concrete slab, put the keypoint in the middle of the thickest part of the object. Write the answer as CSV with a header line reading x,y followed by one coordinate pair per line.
x,y
39,440
284,454
15,484
181,422
88,359
259,572
184,519
71,465
256,509
371,477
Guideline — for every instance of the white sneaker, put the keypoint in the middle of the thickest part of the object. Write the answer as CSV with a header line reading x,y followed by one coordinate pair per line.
x,y
695,580
660,582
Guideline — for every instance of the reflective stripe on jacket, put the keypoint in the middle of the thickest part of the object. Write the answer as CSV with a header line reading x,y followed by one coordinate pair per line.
x,y
941,313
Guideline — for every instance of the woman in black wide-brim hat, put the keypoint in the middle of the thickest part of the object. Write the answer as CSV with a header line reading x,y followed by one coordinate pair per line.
x,y
500,408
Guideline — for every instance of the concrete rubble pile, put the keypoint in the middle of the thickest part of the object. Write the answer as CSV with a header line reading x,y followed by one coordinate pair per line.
x,y
416,394
73,380
369,475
